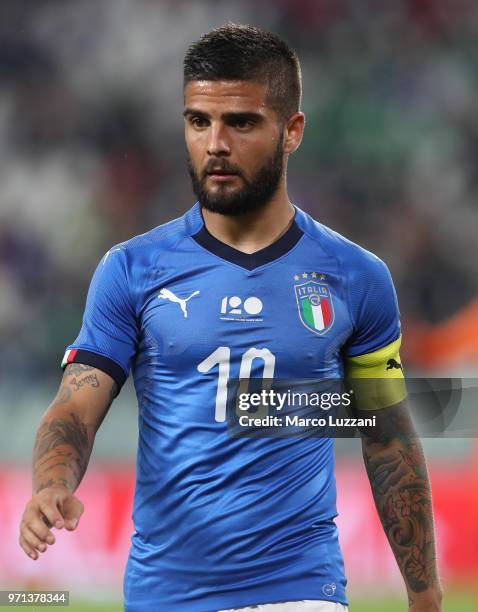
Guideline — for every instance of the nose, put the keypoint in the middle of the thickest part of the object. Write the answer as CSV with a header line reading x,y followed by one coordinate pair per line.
x,y
218,144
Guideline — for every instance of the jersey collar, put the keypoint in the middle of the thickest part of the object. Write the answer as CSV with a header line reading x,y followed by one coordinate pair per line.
x,y
249,261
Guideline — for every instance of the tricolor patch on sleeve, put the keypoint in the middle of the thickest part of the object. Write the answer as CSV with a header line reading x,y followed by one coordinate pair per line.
x,y
96,360
68,357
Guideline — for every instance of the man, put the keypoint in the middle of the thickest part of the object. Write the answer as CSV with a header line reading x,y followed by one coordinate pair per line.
x,y
243,285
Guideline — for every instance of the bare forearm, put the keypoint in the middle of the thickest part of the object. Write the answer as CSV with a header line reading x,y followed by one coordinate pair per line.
x,y
62,449
66,434
398,476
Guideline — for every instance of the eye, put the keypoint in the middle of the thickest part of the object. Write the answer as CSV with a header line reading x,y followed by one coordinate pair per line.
x,y
242,123
198,121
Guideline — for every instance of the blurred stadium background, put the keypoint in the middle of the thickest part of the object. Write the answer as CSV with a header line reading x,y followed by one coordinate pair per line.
x,y
92,152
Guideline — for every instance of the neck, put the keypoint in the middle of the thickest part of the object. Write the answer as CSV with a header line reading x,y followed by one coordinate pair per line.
x,y
255,230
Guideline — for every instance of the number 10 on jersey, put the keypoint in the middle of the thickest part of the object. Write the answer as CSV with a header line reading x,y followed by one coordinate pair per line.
x,y
221,358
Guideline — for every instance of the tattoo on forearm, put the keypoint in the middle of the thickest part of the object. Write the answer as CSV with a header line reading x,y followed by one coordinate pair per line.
x,y
60,432
73,434
41,463
63,445
52,482
399,481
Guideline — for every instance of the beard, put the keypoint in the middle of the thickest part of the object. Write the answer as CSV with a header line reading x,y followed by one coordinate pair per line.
x,y
253,196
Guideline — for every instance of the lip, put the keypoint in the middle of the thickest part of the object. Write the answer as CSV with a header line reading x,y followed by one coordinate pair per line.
x,y
221,177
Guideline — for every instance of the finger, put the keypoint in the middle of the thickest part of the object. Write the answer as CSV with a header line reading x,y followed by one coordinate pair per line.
x,y
31,552
50,538
34,519
33,540
38,527
71,524
52,514
72,511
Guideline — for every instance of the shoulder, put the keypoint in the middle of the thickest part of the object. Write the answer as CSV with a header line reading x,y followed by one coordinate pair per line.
x,y
146,248
165,236
354,260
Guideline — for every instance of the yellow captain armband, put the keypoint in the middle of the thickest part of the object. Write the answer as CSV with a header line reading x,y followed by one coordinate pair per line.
x,y
377,378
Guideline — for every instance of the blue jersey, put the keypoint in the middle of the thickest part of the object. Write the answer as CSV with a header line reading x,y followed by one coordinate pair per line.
x,y
223,522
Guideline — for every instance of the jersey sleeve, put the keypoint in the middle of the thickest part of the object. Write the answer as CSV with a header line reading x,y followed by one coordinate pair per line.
x,y
107,339
372,358
374,309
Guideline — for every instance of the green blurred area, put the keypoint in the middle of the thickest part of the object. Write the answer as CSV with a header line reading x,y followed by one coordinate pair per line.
x,y
454,603
459,602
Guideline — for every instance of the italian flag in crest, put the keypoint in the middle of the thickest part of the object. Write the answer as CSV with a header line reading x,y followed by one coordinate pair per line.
x,y
315,306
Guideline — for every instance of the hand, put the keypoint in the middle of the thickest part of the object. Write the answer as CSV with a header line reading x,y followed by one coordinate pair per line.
x,y
51,507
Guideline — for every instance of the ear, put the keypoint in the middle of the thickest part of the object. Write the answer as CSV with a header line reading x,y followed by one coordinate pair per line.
x,y
294,130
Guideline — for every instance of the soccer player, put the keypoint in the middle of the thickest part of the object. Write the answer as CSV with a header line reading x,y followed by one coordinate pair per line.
x,y
244,284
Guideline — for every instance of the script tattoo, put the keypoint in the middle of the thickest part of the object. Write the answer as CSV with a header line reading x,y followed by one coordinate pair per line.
x,y
398,476
61,442
78,375
90,379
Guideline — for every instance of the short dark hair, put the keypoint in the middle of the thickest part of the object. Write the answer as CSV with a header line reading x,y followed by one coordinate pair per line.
x,y
244,52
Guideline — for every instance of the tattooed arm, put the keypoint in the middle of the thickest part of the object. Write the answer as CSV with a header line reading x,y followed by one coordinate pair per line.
x,y
398,477
63,446
67,430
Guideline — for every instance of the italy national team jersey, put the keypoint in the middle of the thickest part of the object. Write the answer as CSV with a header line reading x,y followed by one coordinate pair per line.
x,y
223,522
